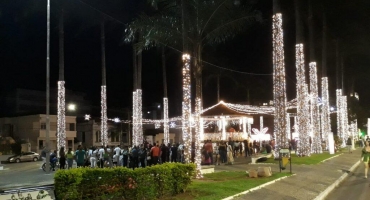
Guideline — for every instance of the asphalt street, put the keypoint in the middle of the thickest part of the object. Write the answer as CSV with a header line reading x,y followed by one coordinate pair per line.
x,y
24,174
355,186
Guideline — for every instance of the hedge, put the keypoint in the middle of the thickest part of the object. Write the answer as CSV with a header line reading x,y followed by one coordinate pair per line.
x,y
123,183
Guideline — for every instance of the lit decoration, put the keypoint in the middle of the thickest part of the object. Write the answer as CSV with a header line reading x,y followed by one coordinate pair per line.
x,y
186,107
166,130
157,126
303,112
245,133
61,124
134,119
223,122
279,86
198,145
140,116
288,126
172,124
315,120
339,113
325,111
295,134
331,143
104,119
117,120
87,117
249,126
344,120
260,135
202,130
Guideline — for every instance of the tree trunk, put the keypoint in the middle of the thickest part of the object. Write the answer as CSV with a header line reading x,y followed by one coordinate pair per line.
x,y
298,23
139,68
164,72
337,64
198,71
134,65
311,32
218,88
102,41
61,45
324,46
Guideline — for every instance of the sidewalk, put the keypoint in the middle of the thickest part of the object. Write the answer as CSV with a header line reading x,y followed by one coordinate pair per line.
x,y
310,180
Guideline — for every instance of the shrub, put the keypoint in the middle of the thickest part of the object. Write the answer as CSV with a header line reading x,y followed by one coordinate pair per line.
x,y
123,183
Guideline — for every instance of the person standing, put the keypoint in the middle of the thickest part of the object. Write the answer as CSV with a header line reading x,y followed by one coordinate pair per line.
x,y
365,157
62,159
174,153
117,152
142,155
209,150
125,156
70,158
101,153
80,156
134,159
222,151
155,154
349,144
93,154
230,156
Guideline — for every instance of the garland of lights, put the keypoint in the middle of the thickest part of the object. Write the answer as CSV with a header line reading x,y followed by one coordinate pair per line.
x,y
140,135
315,120
303,112
325,112
165,121
245,133
279,85
104,119
186,107
61,124
344,120
339,113
198,145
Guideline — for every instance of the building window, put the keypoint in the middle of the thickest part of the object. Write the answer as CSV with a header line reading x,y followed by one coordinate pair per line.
x,y
41,144
43,126
97,136
69,143
114,137
72,127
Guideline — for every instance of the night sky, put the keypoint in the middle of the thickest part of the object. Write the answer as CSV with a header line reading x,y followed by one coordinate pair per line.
x,y
23,52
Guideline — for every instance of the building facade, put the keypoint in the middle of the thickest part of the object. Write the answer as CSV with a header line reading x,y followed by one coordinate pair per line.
x,y
32,128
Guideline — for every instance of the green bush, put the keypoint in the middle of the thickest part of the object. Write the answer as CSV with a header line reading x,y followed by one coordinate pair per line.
x,y
123,183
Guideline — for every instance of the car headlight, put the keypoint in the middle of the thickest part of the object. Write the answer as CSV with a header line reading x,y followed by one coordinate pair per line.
x,y
11,158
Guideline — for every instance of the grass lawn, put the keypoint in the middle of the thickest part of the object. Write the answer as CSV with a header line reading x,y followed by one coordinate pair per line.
x,y
312,160
220,185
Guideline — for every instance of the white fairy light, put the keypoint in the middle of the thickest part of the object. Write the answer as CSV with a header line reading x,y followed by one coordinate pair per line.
x,y
87,117
245,133
186,107
344,120
198,145
325,111
172,124
104,119
223,122
303,112
134,119
140,136
339,113
315,120
279,86
166,130
288,126
61,121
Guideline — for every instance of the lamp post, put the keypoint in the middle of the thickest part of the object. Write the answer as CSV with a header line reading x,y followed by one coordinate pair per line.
x,y
48,88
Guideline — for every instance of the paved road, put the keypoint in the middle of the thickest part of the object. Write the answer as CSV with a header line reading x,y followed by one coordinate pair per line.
x,y
24,174
355,186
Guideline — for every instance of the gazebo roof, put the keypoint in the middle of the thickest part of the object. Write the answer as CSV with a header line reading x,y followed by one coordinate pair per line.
x,y
221,109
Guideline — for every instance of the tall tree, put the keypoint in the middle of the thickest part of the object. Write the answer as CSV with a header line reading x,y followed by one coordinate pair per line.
x,y
206,22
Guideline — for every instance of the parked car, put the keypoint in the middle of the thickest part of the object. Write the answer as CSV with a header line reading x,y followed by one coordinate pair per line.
x,y
24,156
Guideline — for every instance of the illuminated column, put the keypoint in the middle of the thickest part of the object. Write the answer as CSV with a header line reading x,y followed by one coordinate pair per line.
x,y
303,111
345,134
166,131
339,113
279,87
104,119
134,119
186,107
245,134
288,126
261,123
315,120
139,114
325,112
198,145
201,130
249,128
61,126
223,128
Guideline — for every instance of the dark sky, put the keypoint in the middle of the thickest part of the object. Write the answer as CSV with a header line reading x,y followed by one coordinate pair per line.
x,y
23,51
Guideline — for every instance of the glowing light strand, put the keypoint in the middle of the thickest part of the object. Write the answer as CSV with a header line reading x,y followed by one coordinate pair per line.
x,y
345,125
104,119
339,113
61,121
279,85
186,107
134,119
325,112
198,145
165,121
315,120
303,114
140,136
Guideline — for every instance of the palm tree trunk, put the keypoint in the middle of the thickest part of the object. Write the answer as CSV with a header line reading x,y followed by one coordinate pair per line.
x,y
164,72
102,41
104,120
139,68
218,88
198,71
324,46
134,65
61,45
311,32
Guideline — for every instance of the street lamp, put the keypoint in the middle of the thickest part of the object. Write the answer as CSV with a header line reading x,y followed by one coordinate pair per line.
x,y
71,107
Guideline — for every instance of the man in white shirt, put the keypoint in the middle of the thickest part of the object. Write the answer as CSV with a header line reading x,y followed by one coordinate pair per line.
x,y
92,154
117,152
101,157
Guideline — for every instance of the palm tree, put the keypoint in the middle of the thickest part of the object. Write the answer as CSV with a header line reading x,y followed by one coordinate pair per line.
x,y
205,22
104,120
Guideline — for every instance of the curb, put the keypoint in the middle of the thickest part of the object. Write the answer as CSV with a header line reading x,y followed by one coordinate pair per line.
x,y
329,189
331,158
257,188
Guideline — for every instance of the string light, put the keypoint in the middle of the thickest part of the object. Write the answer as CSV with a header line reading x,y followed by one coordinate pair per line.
x,y
87,117
61,122
303,112
339,113
104,119
325,111
166,130
186,107
134,119
198,145
288,126
315,120
279,85
345,120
